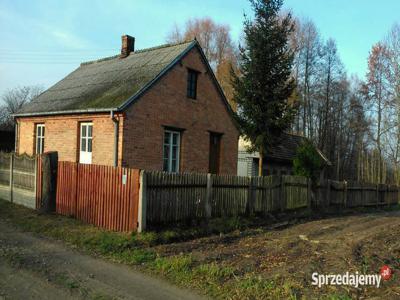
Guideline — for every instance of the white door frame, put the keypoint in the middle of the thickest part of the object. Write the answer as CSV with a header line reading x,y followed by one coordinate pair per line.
x,y
85,142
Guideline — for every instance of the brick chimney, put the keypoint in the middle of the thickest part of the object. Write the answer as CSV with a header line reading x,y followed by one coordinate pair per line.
x,y
128,45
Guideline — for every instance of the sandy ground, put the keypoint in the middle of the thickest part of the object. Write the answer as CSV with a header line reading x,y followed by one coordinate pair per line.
x,y
37,268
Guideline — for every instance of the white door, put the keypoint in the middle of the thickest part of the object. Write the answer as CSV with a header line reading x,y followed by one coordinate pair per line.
x,y
85,154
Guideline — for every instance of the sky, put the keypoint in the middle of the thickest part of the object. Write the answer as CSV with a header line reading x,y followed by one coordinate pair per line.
x,y
42,41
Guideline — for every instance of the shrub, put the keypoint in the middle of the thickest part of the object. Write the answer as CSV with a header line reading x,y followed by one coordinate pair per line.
x,y
307,162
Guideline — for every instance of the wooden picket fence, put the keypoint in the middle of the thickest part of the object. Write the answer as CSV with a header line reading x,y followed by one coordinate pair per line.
x,y
122,199
179,197
355,194
101,195
170,198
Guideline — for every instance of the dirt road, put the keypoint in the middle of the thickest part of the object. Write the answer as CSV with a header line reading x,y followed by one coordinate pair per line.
x,y
37,268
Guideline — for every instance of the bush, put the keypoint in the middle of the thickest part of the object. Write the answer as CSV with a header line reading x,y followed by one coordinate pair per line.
x,y
307,162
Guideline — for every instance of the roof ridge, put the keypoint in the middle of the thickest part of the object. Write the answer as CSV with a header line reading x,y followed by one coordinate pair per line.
x,y
138,51
166,45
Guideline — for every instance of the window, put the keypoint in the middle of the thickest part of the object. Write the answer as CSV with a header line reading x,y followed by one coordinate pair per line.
x,y
171,151
192,84
39,138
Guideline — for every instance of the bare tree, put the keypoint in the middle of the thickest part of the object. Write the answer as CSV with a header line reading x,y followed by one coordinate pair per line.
x,y
13,100
217,45
377,91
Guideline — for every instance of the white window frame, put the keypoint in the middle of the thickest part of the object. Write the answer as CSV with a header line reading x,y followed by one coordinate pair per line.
x,y
170,145
40,132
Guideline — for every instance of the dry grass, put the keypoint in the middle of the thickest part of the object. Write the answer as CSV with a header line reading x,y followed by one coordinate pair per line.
x,y
247,263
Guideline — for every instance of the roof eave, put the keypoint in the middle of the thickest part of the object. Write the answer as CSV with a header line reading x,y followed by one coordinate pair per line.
x,y
66,112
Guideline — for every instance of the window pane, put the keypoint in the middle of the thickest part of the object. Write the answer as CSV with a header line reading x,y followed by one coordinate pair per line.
x,y
166,137
90,130
43,130
174,152
83,144
166,152
83,130
165,167
42,144
175,139
89,145
191,84
173,166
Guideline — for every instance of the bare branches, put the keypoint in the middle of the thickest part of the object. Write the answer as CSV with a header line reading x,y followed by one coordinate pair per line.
x,y
12,101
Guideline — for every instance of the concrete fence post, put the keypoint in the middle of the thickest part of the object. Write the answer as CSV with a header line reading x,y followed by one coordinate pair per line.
x,y
142,202
207,203
11,176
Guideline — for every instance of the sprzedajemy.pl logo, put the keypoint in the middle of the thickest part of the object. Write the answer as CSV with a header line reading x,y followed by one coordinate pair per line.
x,y
352,279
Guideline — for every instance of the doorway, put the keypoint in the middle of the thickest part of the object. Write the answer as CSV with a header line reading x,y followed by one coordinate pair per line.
x,y
215,149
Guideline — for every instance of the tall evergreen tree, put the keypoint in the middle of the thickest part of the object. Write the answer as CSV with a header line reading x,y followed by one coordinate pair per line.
x,y
265,83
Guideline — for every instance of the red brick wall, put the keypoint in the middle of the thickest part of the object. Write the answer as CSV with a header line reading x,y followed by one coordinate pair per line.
x,y
166,104
62,135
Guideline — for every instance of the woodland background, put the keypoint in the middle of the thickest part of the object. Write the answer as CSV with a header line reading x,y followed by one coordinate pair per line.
x,y
354,121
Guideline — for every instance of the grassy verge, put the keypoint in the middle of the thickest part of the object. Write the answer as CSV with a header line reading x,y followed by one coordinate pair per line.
x,y
212,277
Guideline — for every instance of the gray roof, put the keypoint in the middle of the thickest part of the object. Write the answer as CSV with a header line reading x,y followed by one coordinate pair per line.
x,y
285,148
107,84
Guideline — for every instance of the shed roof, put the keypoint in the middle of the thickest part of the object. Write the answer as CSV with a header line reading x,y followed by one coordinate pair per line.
x,y
107,84
285,148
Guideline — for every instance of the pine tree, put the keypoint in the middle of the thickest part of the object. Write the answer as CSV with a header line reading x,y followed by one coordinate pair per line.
x,y
265,83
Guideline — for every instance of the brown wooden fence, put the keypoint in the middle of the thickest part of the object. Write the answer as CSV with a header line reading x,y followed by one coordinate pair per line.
x,y
111,198
101,195
178,197
170,198
355,194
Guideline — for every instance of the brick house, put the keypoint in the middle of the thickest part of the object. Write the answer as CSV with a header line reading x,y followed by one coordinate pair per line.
x,y
157,109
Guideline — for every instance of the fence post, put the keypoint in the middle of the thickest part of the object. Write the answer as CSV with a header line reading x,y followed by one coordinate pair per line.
x,y
387,195
207,206
251,197
49,182
308,192
35,180
377,195
282,193
345,193
11,176
142,202
328,192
